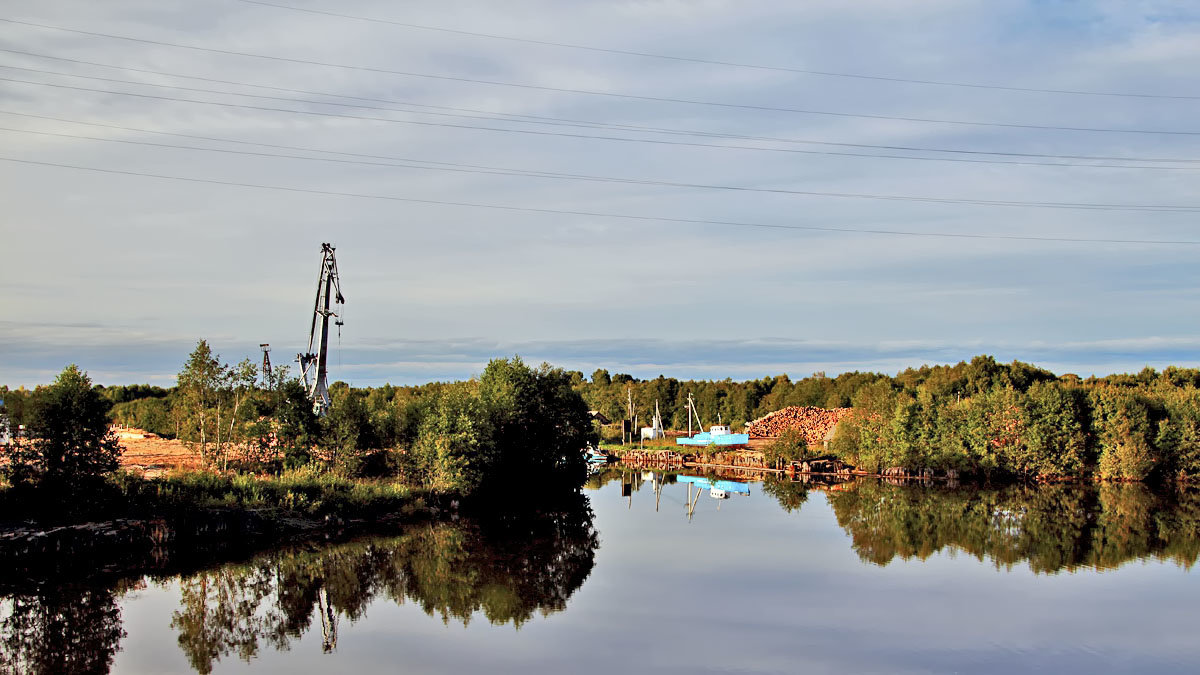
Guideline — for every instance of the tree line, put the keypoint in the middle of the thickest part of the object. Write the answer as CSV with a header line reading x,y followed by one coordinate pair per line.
x,y
980,417
1015,420
513,422
977,417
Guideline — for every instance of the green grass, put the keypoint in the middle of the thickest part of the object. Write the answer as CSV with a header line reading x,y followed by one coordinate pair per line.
x,y
656,444
300,493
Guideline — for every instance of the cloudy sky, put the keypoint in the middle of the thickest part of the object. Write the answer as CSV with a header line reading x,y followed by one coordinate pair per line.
x,y
169,169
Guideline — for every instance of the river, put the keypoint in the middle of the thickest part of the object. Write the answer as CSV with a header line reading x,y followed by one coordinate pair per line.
x,y
651,575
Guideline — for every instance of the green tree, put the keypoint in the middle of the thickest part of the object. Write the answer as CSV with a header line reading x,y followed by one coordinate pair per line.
x,y
791,446
1054,436
347,435
454,450
1127,425
285,428
540,423
199,402
69,441
239,386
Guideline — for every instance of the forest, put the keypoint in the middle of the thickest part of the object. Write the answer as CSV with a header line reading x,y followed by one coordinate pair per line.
x,y
979,417
261,444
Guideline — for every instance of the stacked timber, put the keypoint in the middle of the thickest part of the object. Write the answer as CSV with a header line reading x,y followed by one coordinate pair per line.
x,y
816,424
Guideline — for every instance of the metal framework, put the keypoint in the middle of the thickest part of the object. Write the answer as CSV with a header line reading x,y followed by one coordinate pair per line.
x,y
313,370
266,364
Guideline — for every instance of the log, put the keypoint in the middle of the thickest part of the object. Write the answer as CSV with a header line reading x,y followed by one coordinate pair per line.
x,y
815,424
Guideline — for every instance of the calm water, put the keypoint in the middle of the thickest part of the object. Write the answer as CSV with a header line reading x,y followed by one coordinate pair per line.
x,y
870,579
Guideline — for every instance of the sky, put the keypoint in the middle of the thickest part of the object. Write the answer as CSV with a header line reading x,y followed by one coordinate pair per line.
x,y
169,170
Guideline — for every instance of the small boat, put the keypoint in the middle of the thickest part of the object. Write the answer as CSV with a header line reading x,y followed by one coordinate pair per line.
x,y
596,455
717,434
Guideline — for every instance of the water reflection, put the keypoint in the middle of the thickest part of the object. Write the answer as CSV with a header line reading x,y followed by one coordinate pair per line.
x,y
507,569
65,629
510,569
1051,527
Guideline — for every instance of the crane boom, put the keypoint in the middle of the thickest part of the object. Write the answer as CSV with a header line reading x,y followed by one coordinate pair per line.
x,y
313,370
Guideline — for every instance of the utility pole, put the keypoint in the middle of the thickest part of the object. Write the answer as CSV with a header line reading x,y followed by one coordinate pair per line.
x,y
629,409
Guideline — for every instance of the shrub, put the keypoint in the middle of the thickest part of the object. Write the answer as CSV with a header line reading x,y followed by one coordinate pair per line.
x,y
69,439
791,446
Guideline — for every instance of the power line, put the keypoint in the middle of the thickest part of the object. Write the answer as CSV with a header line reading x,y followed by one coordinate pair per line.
x,y
253,143
637,97
528,209
1152,208
557,133
408,162
548,120
714,62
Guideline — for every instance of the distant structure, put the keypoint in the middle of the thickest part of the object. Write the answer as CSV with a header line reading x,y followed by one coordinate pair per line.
x,y
266,364
313,370
655,430
5,435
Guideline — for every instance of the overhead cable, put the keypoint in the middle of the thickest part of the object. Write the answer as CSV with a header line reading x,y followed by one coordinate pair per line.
x,y
1152,208
594,214
716,62
560,134
657,99
561,121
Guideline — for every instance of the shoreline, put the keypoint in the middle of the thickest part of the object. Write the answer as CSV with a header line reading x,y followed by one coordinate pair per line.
x,y
33,555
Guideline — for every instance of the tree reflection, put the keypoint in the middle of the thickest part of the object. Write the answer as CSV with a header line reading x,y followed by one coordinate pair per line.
x,y
790,494
507,568
59,630
1051,527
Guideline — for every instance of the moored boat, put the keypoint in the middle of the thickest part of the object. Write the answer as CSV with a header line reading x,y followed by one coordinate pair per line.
x,y
596,455
719,435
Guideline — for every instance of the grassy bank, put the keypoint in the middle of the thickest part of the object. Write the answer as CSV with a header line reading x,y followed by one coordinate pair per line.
x,y
299,493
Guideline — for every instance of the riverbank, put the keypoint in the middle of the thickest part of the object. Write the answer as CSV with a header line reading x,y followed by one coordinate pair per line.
x,y
126,523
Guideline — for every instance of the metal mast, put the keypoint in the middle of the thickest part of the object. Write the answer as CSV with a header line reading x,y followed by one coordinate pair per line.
x,y
313,370
266,364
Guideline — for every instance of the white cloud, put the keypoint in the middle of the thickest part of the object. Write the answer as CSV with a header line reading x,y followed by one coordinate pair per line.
x,y
136,261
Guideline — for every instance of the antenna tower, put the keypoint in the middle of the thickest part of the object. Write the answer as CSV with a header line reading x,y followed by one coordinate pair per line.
x,y
266,364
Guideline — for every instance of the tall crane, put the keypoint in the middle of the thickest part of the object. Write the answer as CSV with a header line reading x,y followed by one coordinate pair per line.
x,y
313,371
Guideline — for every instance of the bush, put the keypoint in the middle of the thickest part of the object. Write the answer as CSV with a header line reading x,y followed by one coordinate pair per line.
x,y
791,446
454,450
69,442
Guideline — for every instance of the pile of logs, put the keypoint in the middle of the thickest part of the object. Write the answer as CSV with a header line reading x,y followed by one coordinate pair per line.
x,y
814,423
